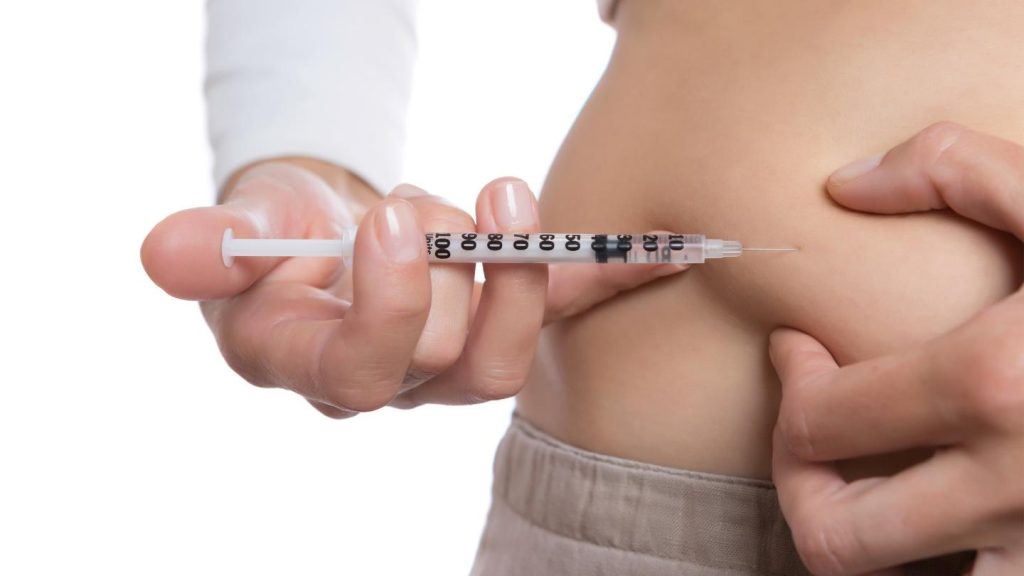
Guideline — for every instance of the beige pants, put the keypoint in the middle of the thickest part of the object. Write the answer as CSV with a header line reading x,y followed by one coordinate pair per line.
x,y
559,510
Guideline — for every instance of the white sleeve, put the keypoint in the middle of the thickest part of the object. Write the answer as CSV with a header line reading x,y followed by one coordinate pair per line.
x,y
327,79
607,9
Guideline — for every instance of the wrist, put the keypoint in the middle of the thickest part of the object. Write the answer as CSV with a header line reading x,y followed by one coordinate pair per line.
x,y
359,195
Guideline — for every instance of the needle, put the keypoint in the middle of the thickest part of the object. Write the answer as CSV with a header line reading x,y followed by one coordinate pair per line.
x,y
771,249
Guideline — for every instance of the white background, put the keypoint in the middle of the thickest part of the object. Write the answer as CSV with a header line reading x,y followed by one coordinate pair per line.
x,y
126,445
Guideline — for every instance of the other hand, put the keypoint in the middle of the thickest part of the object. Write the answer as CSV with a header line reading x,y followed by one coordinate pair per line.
x,y
961,393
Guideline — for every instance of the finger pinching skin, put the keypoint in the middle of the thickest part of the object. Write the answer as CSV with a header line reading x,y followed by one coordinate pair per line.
x,y
961,394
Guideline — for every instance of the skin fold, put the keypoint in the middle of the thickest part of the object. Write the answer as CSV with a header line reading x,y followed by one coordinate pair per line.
x,y
726,118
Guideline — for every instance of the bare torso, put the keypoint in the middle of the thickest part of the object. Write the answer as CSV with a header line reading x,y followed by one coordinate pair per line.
x,y
725,118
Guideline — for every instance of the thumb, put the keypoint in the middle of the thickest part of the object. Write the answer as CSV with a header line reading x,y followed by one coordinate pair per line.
x,y
798,357
980,177
182,254
575,288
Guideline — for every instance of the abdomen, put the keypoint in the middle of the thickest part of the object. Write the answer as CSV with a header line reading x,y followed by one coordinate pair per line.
x,y
726,119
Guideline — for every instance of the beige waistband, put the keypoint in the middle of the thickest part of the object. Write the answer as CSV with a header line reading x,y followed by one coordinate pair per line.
x,y
695,518
558,509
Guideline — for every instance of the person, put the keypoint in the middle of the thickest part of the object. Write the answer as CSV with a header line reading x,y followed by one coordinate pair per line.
x,y
647,406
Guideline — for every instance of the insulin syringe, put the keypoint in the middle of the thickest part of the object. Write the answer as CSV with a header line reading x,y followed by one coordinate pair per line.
x,y
514,248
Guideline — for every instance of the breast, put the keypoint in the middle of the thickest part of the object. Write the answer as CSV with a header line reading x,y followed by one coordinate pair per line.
x,y
726,119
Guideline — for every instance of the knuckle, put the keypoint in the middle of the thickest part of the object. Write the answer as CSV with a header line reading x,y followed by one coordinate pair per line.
x,y
823,546
360,399
243,366
435,355
369,388
794,430
332,412
934,140
997,402
499,379
991,385
407,308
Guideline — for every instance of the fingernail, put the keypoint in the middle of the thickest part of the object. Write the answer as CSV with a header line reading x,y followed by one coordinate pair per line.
x,y
669,269
855,169
512,205
397,232
407,191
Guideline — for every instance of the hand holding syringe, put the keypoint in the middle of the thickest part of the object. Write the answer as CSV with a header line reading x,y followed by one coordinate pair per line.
x,y
391,328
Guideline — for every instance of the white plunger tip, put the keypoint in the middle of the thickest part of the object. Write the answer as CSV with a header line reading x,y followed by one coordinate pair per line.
x,y
225,248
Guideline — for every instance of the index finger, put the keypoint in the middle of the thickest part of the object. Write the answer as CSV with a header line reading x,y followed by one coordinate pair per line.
x,y
944,166
872,407
575,288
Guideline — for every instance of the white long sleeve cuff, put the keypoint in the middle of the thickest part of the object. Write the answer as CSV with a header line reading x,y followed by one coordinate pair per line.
x,y
328,79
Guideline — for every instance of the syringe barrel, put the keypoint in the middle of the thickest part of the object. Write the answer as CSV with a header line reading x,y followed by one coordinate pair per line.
x,y
602,248
640,248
